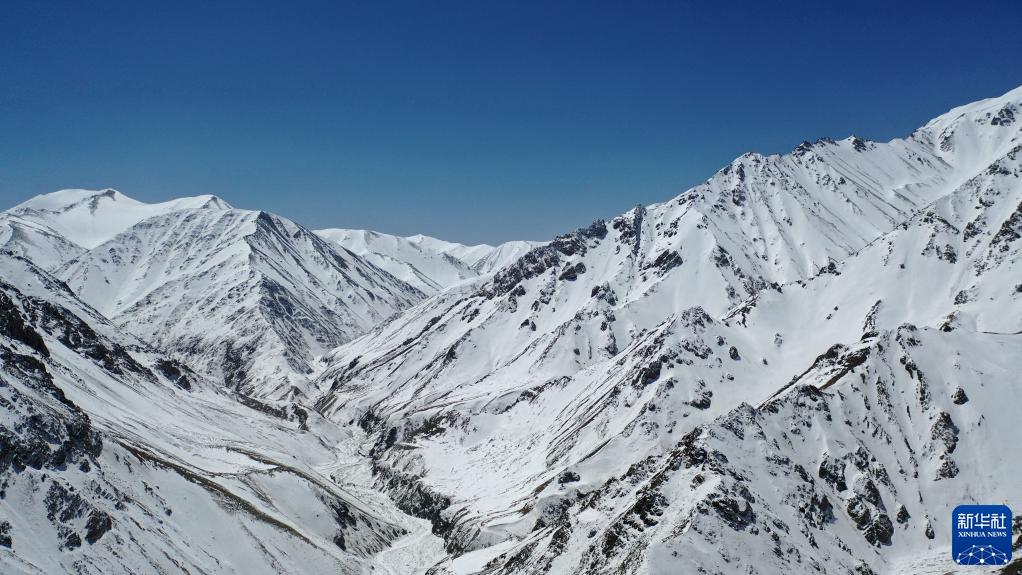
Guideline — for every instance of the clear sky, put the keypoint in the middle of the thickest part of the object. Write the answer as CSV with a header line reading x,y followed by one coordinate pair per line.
x,y
470,121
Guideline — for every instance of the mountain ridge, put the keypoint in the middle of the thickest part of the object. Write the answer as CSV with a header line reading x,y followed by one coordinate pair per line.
x,y
800,365
429,264
277,294
584,317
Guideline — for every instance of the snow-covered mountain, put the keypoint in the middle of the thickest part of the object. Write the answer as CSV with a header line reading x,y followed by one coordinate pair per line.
x,y
428,264
854,470
36,242
799,366
520,401
53,229
244,296
89,218
116,459
483,258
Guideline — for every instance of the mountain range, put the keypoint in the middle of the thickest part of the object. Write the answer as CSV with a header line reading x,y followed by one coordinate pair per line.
x,y
801,365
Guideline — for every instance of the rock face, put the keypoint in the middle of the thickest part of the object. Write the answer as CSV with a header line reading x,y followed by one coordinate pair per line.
x,y
800,366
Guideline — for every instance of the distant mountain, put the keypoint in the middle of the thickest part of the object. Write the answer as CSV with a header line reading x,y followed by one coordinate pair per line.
x,y
428,264
89,218
482,257
52,229
245,296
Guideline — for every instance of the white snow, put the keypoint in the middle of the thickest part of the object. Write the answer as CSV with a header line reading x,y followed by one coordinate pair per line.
x,y
801,365
91,217
428,264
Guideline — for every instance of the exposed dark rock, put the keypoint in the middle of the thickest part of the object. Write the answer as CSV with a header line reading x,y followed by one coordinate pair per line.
x,y
542,258
1004,117
735,512
948,254
696,318
959,397
604,293
831,269
688,451
865,488
13,325
344,520
78,336
879,531
629,226
568,477
858,511
820,510
53,440
664,262
650,506
702,400
571,273
65,507
833,472
948,469
175,373
415,498
261,406
945,431
647,374
1009,232
99,523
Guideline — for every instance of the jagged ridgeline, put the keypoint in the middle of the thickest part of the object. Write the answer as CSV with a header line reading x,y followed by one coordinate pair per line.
x,y
800,366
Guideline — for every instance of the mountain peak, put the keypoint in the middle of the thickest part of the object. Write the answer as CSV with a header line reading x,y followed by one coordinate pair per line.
x,y
976,134
91,217
981,108
62,200
66,199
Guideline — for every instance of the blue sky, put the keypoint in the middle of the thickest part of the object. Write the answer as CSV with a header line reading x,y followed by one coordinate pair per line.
x,y
470,121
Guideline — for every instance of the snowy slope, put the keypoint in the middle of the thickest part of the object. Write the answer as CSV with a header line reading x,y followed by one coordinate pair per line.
x,y
800,365
247,297
40,244
483,258
429,271
116,459
857,478
428,264
597,352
